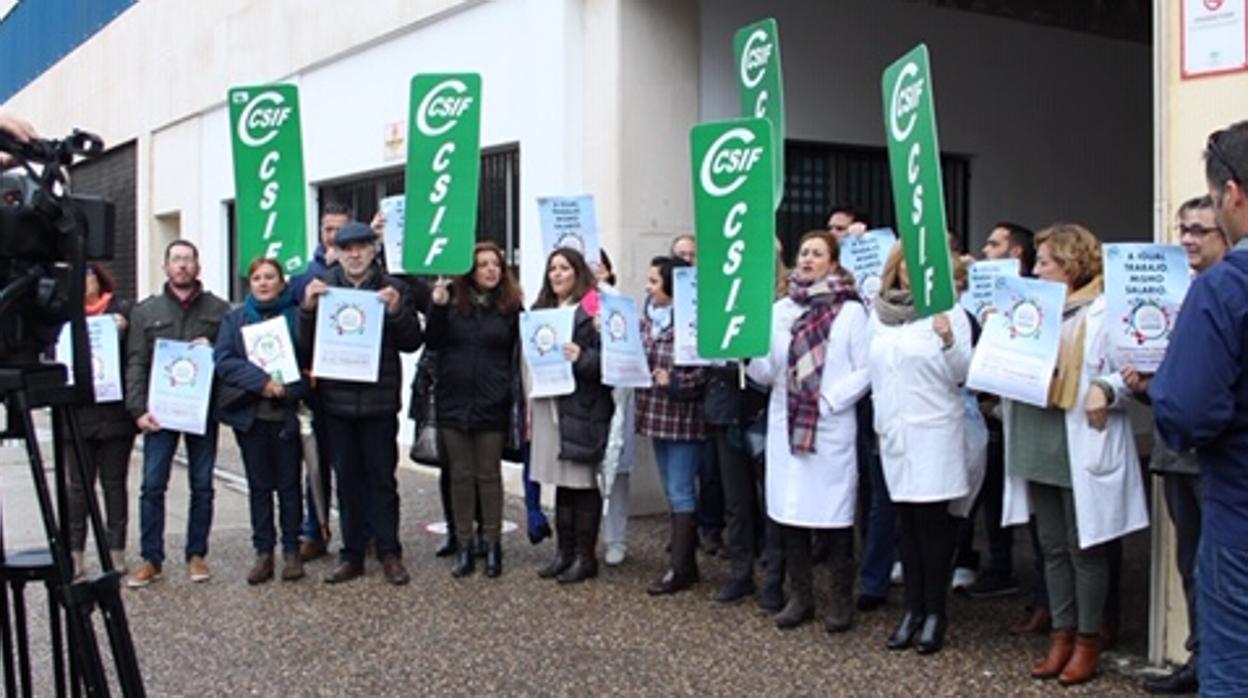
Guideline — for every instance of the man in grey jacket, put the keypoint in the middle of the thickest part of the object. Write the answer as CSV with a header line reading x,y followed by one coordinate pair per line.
x,y
185,311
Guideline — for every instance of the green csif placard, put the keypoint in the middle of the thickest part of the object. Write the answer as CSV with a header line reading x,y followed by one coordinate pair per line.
x,y
443,169
270,205
735,221
757,52
918,196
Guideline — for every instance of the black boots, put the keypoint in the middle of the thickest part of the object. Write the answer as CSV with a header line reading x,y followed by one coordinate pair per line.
x,y
801,605
903,636
565,538
771,596
587,519
932,635
840,615
465,562
494,560
683,571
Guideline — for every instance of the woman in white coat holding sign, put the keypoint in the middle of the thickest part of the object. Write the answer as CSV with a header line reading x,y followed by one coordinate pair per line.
x,y
1074,463
918,366
816,371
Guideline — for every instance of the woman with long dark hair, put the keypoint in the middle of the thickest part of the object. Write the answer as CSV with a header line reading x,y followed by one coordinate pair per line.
x,y
570,432
474,325
262,411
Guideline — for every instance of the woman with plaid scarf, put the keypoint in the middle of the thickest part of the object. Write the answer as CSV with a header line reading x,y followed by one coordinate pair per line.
x,y
817,372
918,366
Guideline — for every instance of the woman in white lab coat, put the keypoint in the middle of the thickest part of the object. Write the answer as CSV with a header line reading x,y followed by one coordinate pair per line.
x,y
816,371
918,366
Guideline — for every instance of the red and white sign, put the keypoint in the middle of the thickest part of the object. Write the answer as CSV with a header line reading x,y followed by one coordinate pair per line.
x,y
1215,37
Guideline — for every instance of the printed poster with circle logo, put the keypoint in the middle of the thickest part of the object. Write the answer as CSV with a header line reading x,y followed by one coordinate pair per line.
x,y
864,256
543,334
179,386
105,352
1145,285
624,362
570,221
1017,352
269,346
347,345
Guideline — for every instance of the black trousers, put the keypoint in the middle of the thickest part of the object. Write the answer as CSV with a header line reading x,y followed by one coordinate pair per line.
x,y
925,540
365,458
742,478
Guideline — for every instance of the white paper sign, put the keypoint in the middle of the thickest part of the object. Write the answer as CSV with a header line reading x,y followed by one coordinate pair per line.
x,y
543,333
347,345
624,362
269,346
685,317
982,283
864,256
1215,37
392,208
569,221
1018,350
179,387
105,356
1144,288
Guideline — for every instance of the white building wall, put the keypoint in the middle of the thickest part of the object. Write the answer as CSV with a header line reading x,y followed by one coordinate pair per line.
x,y
1057,124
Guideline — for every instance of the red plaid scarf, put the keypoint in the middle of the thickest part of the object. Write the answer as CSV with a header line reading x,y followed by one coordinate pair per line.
x,y
822,299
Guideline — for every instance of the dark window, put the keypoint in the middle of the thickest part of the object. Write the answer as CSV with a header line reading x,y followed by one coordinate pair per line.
x,y
112,176
498,202
820,174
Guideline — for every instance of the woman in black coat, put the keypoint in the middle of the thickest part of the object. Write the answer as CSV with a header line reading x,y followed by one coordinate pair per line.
x,y
107,437
474,326
570,432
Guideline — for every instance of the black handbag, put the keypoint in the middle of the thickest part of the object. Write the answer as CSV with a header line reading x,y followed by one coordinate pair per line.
x,y
427,447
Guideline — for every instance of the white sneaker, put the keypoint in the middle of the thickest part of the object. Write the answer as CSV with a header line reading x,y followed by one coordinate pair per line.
x,y
615,554
963,577
895,577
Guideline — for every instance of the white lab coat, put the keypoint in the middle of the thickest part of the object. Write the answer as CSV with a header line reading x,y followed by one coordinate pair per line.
x,y
919,408
1104,465
816,490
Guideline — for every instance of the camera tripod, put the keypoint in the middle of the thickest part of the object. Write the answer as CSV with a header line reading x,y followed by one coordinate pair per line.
x,y
25,389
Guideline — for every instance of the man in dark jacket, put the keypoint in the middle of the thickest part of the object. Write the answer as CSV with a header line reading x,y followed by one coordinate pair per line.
x,y
184,311
362,418
333,216
1200,400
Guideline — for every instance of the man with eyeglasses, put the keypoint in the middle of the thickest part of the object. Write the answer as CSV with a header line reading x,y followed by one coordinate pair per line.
x,y
1205,245
1200,400
184,310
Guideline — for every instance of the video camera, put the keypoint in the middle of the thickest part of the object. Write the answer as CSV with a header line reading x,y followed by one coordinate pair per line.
x,y
46,236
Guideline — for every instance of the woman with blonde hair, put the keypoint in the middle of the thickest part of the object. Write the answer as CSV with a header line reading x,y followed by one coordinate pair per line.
x,y
1074,463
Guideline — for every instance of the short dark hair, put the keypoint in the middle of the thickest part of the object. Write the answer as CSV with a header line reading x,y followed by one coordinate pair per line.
x,y
841,207
1022,237
665,265
1226,155
336,208
1204,201
181,243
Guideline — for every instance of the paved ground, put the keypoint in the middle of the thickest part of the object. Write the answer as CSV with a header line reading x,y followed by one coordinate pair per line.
x,y
519,634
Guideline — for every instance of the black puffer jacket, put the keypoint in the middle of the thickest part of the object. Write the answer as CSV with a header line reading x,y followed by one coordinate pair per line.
x,y
476,365
585,415
401,332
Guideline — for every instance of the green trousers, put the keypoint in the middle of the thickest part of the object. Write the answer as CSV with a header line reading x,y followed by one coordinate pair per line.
x,y
1077,579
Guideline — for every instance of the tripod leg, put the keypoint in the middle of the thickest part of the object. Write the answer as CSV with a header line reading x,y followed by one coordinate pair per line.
x,y
78,606
54,620
6,641
23,644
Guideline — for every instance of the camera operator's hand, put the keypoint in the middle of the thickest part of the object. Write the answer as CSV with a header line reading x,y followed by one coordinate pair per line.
x,y
147,423
20,129
316,288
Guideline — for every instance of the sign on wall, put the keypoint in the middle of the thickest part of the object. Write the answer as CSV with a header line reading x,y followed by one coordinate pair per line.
x,y
1214,40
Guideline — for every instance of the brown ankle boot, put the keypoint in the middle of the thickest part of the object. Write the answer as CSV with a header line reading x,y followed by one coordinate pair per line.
x,y
1061,647
1083,663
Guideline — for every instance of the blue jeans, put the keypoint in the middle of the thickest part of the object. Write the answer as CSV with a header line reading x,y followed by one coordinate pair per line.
x,y
535,518
158,448
678,468
1222,581
879,550
271,457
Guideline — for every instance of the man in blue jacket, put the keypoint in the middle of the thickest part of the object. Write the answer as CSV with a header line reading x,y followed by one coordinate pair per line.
x,y
1200,398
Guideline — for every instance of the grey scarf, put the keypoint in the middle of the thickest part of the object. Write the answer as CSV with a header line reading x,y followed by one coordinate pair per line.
x,y
895,306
